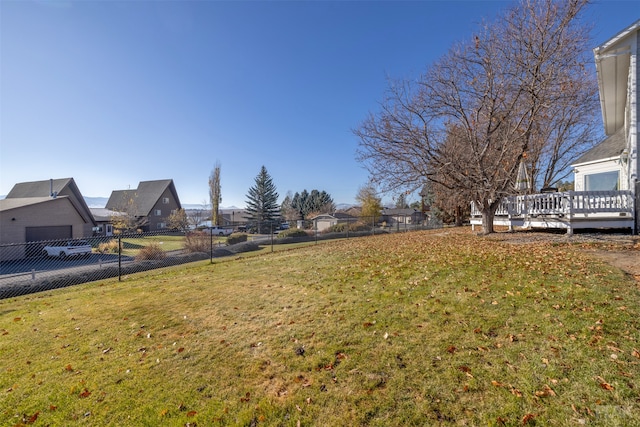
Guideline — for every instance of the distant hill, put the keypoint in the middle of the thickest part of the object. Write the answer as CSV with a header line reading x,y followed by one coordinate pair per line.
x,y
101,202
96,202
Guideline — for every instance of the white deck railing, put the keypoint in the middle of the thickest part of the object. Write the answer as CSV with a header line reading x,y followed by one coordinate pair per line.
x,y
565,204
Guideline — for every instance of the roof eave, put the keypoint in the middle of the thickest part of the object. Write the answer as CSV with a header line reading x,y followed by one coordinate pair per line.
x,y
613,60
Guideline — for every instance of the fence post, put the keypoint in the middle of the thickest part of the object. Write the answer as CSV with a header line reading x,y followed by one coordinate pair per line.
x,y
211,246
119,258
271,236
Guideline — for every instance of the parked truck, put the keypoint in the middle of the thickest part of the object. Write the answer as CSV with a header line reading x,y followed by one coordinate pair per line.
x,y
220,231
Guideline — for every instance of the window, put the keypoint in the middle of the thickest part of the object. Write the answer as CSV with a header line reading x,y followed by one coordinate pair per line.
x,y
162,225
157,212
604,181
165,200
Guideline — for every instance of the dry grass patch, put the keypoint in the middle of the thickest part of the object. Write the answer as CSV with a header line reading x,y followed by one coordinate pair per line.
x,y
412,329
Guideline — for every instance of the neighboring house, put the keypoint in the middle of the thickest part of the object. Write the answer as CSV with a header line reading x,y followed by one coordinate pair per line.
x,y
607,190
151,203
354,211
393,216
104,218
42,210
325,221
233,217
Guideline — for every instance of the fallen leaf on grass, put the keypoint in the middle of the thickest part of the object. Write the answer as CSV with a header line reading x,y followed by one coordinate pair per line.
x,y
85,393
606,386
191,413
545,392
527,418
635,353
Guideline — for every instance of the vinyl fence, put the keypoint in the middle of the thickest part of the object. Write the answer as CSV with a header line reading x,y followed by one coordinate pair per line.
x,y
39,266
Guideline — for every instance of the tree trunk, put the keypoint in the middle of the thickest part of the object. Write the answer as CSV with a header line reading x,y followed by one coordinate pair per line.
x,y
458,216
488,213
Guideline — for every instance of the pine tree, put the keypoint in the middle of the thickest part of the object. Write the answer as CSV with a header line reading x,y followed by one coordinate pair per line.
x,y
316,202
262,202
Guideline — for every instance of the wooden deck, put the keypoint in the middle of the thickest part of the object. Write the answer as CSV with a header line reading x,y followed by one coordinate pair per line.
x,y
565,210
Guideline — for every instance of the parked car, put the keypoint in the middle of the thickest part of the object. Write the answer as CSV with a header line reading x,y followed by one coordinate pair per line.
x,y
68,248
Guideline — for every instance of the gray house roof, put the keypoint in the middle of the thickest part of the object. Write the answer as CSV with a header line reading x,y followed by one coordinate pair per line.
x,y
146,196
104,215
25,193
612,146
396,211
40,188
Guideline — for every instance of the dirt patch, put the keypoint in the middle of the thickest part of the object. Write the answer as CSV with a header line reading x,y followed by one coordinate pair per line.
x,y
620,250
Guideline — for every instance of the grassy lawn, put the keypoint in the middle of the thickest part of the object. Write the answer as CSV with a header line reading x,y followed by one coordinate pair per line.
x,y
131,246
425,328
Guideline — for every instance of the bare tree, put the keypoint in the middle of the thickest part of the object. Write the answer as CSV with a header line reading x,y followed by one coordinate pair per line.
x,y
215,194
288,212
197,216
178,220
126,217
470,119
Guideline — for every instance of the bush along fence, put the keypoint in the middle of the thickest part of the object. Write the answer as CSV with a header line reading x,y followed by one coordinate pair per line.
x,y
38,266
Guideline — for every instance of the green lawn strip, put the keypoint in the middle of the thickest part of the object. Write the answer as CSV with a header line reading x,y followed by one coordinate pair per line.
x,y
413,329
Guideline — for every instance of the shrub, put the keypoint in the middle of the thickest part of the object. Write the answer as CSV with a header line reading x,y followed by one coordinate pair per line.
x,y
358,226
197,241
236,238
292,232
152,251
343,227
108,247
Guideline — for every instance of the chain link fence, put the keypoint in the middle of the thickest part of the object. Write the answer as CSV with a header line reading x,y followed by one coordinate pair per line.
x,y
38,266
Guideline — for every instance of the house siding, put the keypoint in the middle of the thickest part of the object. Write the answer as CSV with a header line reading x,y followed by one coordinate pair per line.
x,y
165,210
583,170
58,212
634,111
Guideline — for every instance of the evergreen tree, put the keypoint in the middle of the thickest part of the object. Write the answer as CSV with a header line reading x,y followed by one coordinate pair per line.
x,y
262,201
316,202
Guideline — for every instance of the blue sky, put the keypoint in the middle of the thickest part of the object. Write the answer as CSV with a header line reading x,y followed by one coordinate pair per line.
x,y
116,92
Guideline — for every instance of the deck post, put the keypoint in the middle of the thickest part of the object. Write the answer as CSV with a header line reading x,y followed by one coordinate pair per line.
x,y
636,210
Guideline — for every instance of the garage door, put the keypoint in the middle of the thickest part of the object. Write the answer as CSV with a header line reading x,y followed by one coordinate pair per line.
x,y
40,234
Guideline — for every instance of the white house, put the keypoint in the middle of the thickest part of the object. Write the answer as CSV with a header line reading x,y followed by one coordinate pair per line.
x,y
613,164
607,189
